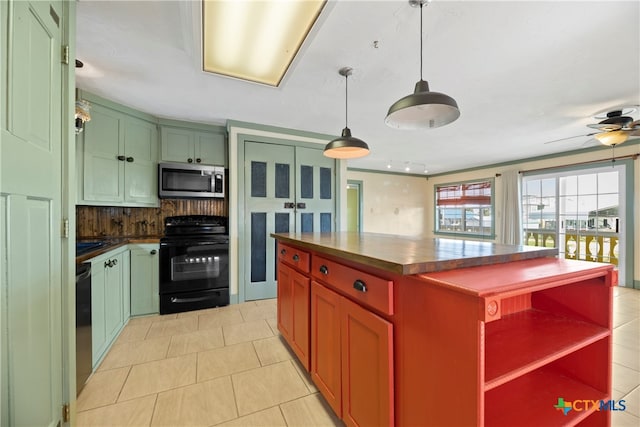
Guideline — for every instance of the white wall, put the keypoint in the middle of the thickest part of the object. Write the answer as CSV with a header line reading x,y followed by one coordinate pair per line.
x,y
394,204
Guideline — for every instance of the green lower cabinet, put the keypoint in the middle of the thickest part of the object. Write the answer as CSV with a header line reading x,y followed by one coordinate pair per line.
x,y
109,289
144,279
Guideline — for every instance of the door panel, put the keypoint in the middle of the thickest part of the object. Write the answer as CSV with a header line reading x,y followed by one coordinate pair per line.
x,y
367,367
32,365
103,170
285,302
326,369
315,191
300,300
141,181
34,305
177,145
269,185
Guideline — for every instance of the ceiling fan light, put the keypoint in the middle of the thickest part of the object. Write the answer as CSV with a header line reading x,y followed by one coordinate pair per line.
x,y
422,109
612,138
346,147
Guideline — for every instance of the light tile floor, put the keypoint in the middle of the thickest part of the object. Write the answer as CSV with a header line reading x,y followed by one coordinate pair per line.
x,y
230,367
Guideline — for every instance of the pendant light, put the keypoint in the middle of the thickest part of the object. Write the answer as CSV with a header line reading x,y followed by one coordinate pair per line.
x,y
422,109
346,146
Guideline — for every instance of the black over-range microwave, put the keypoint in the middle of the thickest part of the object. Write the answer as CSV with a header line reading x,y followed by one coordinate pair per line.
x,y
179,180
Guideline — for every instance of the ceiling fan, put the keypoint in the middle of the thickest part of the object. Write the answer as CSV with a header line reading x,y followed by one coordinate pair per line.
x,y
615,129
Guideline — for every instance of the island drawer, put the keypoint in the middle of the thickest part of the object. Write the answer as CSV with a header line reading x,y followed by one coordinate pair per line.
x,y
365,288
294,257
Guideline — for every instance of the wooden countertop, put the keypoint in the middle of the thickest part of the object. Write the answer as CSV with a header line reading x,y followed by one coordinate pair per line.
x,y
111,243
409,255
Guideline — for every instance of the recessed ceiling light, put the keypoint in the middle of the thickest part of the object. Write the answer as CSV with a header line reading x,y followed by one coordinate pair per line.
x,y
255,40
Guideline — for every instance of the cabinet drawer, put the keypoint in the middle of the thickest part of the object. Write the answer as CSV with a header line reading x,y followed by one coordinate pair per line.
x,y
364,288
294,257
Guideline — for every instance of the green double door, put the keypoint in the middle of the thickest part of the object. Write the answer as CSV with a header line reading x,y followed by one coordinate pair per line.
x,y
31,141
286,189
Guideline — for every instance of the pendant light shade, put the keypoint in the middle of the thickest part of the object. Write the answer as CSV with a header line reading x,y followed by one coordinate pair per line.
x,y
422,109
346,146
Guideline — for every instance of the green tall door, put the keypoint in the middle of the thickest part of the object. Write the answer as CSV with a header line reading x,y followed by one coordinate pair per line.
x,y
30,188
286,188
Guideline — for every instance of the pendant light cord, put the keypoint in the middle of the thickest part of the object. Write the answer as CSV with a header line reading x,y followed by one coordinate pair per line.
x,y
421,6
346,101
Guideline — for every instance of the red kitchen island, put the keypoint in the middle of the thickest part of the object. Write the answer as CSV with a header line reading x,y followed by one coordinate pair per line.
x,y
439,332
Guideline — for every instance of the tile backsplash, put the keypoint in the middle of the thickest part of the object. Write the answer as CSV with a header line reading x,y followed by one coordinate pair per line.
x,y
112,221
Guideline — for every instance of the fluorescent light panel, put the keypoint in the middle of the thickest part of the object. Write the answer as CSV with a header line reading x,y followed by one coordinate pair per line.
x,y
255,40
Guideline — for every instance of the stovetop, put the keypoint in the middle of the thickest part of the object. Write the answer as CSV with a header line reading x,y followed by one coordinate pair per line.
x,y
195,225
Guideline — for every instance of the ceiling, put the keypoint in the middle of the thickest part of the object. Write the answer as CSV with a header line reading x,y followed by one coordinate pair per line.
x,y
522,72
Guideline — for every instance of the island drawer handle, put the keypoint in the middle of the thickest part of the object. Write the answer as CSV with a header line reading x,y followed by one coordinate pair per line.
x,y
296,258
282,252
324,270
359,285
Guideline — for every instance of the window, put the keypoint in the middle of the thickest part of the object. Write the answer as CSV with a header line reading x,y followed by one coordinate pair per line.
x,y
465,209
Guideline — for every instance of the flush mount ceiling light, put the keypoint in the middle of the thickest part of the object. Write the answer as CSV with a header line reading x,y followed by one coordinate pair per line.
x,y
346,146
422,109
255,40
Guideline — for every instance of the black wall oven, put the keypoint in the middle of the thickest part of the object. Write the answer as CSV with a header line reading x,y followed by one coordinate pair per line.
x,y
194,264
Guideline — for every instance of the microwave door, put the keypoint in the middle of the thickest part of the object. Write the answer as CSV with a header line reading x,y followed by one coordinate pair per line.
x,y
195,181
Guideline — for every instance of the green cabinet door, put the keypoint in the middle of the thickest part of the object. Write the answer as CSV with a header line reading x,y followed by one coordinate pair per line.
x,y
103,151
210,148
109,296
177,145
113,295
98,328
126,286
140,167
144,279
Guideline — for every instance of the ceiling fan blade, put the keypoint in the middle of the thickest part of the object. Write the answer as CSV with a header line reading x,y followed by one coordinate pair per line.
x,y
571,137
633,126
591,143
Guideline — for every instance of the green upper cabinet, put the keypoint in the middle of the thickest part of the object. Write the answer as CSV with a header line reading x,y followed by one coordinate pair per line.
x,y
118,156
193,143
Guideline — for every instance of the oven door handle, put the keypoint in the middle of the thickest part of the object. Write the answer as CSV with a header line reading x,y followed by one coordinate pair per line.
x,y
182,300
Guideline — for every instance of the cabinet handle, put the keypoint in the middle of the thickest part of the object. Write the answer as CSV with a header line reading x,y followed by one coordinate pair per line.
x,y
190,160
283,251
130,159
198,160
324,270
296,258
107,264
359,285
115,261
301,205
121,158
153,252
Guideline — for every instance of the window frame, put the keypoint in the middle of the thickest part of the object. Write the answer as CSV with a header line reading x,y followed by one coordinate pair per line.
x,y
465,234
